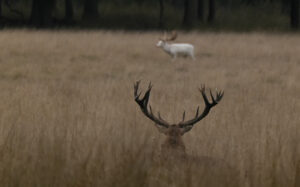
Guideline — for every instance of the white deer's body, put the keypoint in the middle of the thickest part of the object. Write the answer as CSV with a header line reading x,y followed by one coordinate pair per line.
x,y
177,49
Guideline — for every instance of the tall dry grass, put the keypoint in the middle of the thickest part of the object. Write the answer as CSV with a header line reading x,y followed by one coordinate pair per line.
x,y
68,118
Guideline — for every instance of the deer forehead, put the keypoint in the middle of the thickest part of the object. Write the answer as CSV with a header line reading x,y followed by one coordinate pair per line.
x,y
159,43
174,129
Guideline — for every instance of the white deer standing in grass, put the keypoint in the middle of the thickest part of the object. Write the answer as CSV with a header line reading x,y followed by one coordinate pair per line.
x,y
175,49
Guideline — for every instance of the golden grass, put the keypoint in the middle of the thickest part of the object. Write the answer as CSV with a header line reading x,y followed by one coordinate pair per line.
x,y
68,118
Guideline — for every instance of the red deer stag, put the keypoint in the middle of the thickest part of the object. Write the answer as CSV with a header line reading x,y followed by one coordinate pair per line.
x,y
177,166
174,132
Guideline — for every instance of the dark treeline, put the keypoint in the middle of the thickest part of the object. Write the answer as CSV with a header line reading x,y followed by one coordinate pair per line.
x,y
151,14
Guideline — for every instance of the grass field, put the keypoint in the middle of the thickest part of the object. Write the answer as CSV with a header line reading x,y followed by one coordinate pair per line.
x,y
68,118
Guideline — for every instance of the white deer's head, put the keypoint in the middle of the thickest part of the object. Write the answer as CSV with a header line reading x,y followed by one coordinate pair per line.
x,y
165,38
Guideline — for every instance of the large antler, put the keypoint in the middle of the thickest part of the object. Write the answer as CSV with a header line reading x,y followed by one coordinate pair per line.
x,y
170,38
173,36
143,103
206,110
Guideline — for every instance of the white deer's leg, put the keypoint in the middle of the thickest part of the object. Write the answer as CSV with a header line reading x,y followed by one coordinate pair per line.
x,y
174,57
192,55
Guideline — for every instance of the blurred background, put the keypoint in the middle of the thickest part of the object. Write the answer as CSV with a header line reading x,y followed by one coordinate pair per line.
x,y
232,15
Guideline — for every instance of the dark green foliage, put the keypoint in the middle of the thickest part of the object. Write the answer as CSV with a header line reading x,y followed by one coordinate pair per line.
x,y
211,11
190,13
41,13
153,14
161,13
69,10
295,14
200,10
90,10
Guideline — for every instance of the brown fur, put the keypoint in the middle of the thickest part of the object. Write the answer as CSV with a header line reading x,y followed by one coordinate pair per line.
x,y
173,145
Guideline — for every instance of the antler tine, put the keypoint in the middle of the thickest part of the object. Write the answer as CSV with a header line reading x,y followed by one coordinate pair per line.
x,y
159,116
183,116
202,90
136,87
145,99
158,113
173,36
219,95
165,35
197,113
212,97
150,86
150,109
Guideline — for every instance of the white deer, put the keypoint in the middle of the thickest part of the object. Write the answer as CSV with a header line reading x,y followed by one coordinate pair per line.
x,y
176,49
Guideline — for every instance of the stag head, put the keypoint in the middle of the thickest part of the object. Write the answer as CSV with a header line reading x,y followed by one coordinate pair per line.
x,y
166,37
174,132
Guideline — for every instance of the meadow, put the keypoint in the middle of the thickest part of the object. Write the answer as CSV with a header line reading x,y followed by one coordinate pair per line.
x,y
68,116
